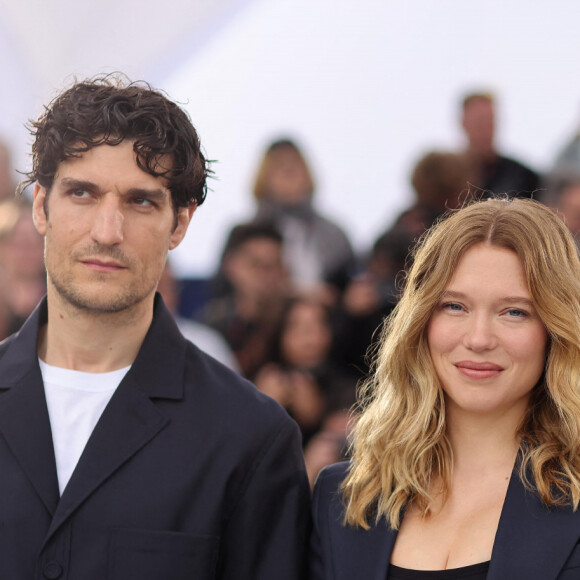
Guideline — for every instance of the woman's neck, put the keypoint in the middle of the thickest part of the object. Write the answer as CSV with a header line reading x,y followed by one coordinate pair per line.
x,y
483,442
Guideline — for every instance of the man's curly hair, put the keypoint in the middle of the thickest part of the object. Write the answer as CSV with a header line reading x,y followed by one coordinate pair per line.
x,y
110,109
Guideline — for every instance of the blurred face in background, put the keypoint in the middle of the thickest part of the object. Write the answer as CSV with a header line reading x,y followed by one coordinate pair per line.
x,y
288,179
22,273
479,125
255,268
21,250
307,335
569,207
7,186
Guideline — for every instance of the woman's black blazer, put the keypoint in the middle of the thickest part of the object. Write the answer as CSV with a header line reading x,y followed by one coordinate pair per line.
x,y
532,542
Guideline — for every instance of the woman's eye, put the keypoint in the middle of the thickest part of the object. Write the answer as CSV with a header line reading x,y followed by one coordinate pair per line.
x,y
452,308
517,313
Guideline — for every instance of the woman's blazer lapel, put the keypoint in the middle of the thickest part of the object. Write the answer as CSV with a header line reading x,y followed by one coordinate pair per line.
x,y
362,553
533,542
342,552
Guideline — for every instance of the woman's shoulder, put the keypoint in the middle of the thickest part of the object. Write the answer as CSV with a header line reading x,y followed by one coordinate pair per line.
x,y
327,495
333,474
328,505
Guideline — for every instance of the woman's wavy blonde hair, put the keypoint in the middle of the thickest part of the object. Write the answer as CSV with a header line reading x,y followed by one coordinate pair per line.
x,y
399,441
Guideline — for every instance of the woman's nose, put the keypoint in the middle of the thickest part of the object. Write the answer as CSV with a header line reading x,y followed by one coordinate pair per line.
x,y
480,334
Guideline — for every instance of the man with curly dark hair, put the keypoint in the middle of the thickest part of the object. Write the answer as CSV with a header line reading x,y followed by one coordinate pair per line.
x,y
127,452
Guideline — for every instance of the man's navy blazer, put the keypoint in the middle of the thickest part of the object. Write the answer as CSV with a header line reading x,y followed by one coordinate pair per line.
x,y
190,473
531,543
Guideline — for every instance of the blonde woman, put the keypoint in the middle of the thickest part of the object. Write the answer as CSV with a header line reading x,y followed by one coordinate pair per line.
x,y
466,458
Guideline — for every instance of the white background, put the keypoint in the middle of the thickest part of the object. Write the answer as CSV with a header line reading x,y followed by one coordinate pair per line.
x,y
365,86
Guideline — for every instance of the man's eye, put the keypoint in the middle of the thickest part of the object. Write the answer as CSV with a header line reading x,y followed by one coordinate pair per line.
x,y
142,201
79,193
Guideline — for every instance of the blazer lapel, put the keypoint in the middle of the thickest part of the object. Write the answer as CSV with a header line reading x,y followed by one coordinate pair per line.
x,y
362,553
25,426
128,423
24,421
131,419
532,542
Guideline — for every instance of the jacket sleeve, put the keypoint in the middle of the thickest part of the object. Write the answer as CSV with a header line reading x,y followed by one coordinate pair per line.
x,y
266,537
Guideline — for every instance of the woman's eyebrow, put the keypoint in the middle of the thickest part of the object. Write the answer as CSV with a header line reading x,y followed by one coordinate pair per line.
x,y
517,299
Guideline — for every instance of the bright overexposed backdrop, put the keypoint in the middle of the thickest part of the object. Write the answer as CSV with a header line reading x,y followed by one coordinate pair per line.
x,y
365,87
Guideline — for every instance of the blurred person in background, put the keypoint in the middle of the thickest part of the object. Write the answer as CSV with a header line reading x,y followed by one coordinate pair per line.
x,y
250,290
440,181
563,196
22,273
317,252
567,161
7,183
328,445
491,171
203,336
562,184
302,375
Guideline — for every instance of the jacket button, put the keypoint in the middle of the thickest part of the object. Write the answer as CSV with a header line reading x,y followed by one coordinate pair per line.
x,y
52,570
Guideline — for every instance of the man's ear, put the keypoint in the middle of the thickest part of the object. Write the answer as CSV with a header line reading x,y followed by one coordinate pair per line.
x,y
184,215
38,209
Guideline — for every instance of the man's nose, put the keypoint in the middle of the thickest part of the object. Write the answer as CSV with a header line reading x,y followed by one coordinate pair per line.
x,y
107,227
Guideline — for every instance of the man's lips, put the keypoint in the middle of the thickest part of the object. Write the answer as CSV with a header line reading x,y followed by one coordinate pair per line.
x,y
103,265
478,370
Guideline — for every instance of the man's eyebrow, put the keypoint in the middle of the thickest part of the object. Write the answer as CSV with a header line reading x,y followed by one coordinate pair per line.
x,y
155,194
72,183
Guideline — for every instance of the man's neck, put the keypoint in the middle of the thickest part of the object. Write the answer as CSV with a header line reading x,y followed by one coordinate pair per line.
x,y
92,342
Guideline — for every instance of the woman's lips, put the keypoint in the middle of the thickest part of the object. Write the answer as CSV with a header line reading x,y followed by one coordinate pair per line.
x,y
478,370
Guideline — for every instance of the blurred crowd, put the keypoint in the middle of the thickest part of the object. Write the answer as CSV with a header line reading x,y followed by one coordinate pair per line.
x,y
291,306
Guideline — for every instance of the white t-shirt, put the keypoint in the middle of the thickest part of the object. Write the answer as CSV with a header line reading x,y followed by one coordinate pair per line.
x,y
75,401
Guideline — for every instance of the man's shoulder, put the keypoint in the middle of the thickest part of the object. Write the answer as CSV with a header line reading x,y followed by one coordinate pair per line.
x,y
223,392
